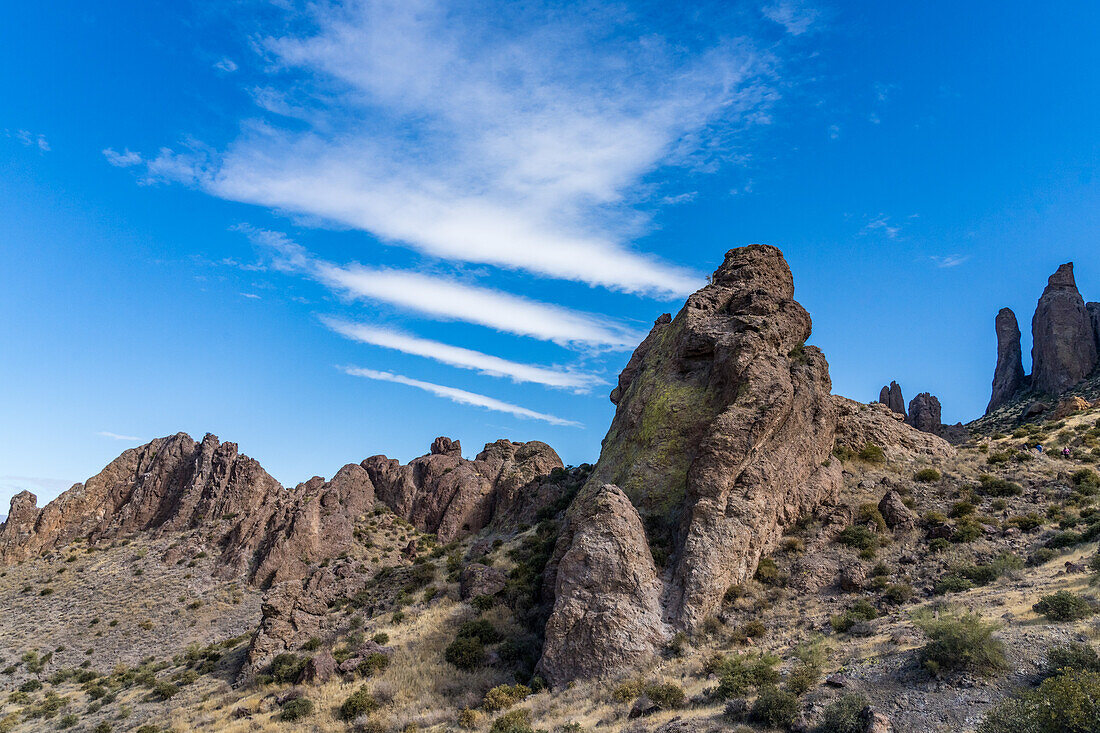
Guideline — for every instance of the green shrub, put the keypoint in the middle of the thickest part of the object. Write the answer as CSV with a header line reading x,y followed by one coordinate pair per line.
x,y
667,695
513,721
68,721
859,611
312,645
1025,522
997,486
165,690
1086,481
859,537
844,715
738,674
897,593
358,703
1073,655
381,638
297,709
774,707
1065,703
927,475
503,697
1063,606
962,643
767,572
465,652
871,453
286,668
869,513
967,530
481,630
373,663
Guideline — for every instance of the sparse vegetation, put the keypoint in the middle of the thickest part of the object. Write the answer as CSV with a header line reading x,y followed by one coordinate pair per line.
x,y
958,643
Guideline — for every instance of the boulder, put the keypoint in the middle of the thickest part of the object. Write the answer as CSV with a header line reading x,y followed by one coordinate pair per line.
x,y
1064,347
607,611
1069,405
899,517
480,580
319,669
1008,377
891,397
1034,409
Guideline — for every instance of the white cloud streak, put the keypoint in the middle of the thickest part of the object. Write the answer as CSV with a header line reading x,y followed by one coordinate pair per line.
x,y
462,358
460,396
796,17
29,139
449,300
506,135
125,159
949,260
116,436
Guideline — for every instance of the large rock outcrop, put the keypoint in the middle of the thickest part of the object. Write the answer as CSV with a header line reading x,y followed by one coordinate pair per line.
x,y
721,437
446,494
607,610
1093,310
1008,377
1064,347
268,533
891,397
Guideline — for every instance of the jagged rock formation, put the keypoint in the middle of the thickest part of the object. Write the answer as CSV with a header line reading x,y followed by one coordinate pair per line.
x,y
925,413
1064,350
607,613
892,398
1093,310
860,424
1008,377
268,533
721,437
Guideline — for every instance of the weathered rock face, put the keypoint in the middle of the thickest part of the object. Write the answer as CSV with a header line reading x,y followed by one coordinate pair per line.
x,y
270,534
1093,310
891,397
861,424
1008,377
924,413
898,517
1064,350
444,493
607,610
723,423
171,483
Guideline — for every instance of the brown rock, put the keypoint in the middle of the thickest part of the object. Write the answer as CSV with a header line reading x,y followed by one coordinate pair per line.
x,y
1069,405
1034,409
1064,347
1093,309
319,669
899,517
852,578
607,613
1008,377
875,722
453,497
480,580
862,424
891,397
709,410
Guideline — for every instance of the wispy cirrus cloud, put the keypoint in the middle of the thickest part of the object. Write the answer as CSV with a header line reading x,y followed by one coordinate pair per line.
x,y
460,396
117,436
29,139
881,224
795,16
953,260
465,358
515,135
447,299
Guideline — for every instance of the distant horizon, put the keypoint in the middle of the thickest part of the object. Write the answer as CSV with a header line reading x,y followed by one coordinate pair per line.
x,y
325,231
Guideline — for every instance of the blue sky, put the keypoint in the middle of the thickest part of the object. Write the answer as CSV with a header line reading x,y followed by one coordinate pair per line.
x,y
327,231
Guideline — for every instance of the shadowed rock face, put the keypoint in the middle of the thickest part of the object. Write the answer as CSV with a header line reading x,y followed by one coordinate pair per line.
x,y
607,614
925,413
1064,350
723,425
891,397
1093,310
1008,377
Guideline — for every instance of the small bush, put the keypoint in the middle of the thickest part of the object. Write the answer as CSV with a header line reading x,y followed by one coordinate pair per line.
x,y
859,537
514,721
381,638
1063,606
481,630
465,652
503,697
286,668
962,643
997,486
767,572
860,611
775,707
872,453
372,664
844,715
297,709
927,475
358,703
165,690
667,695
1072,656
1065,703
